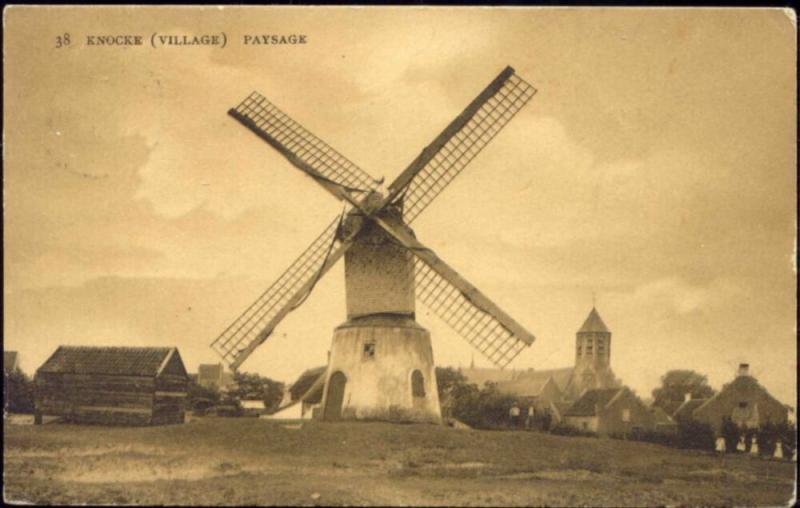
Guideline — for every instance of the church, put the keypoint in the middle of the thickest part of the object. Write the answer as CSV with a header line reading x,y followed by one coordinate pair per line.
x,y
592,370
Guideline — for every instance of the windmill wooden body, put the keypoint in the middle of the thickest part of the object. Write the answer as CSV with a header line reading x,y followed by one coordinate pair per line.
x,y
381,360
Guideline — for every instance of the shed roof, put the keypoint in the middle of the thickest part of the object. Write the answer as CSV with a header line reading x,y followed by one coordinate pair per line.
x,y
124,361
587,404
594,323
305,382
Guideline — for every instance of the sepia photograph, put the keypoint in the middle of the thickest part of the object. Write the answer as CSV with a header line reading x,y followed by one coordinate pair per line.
x,y
376,256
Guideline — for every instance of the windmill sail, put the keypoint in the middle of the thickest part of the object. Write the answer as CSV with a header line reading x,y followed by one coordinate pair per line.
x,y
301,147
256,323
478,326
463,306
460,142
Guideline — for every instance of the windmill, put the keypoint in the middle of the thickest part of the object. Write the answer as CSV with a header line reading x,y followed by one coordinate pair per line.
x,y
381,360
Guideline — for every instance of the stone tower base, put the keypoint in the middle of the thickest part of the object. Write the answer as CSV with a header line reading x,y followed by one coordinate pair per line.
x,y
381,368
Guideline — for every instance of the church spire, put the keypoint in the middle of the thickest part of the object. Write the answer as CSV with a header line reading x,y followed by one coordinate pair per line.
x,y
594,323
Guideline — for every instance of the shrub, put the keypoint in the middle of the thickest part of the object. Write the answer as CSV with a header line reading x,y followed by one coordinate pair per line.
x,y
649,436
566,430
18,393
788,436
767,439
697,435
731,434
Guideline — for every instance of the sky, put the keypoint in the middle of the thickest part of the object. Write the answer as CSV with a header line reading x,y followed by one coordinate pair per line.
x,y
653,169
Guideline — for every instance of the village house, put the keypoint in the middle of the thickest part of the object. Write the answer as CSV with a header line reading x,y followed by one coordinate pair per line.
x,y
215,377
10,359
684,410
743,400
112,385
609,411
252,407
303,398
662,422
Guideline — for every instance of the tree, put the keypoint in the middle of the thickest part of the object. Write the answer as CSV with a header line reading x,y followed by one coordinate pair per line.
x,y
199,397
18,392
447,378
253,386
675,384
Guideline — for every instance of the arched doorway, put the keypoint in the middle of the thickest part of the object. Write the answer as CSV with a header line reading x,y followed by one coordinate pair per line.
x,y
333,403
417,390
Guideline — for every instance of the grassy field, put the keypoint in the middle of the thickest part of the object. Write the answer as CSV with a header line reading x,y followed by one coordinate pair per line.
x,y
250,461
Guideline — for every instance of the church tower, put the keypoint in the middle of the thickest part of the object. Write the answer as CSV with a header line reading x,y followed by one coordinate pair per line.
x,y
592,357
593,341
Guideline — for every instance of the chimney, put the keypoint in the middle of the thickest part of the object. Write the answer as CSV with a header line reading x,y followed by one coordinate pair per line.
x,y
744,369
687,397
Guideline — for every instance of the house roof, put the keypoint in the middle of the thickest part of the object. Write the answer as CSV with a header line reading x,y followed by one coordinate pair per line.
x,y
123,361
561,377
594,323
9,361
480,376
686,409
305,382
661,417
740,382
670,406
587,404
524,387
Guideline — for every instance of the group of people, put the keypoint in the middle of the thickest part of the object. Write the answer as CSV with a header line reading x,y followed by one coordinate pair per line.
x,y
529,418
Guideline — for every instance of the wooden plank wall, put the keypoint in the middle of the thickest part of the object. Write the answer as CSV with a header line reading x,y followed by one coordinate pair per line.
x,y
169,401
84,398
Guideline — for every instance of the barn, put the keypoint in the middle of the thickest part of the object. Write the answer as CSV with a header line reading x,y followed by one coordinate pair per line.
x,y
112,385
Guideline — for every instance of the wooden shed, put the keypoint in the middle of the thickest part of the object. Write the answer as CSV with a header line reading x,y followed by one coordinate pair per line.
x,y
112,385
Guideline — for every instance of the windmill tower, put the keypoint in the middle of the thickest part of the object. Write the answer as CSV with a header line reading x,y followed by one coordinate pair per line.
x,y
381,360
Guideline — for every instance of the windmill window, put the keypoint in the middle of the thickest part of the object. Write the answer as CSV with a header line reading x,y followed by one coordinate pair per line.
x,y
369,350
417,384
743,405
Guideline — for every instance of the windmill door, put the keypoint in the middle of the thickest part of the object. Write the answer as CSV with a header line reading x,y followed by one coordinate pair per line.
x,y
333,405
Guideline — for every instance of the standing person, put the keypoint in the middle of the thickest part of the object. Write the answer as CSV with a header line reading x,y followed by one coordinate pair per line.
x,y
513,414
